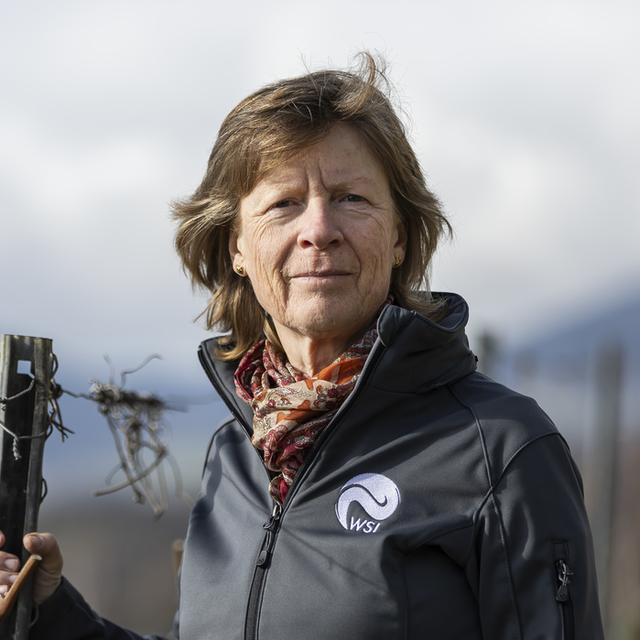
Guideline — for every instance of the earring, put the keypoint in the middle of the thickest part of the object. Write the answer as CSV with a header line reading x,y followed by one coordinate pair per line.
x,y
397,261
239,269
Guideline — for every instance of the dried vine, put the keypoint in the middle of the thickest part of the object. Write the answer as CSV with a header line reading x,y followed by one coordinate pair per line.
x,y
135,420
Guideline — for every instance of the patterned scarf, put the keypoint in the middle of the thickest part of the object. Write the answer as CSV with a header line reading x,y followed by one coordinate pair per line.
x,y
289,409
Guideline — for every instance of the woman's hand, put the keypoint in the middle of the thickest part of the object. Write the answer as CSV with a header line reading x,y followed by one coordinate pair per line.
x,y
49,572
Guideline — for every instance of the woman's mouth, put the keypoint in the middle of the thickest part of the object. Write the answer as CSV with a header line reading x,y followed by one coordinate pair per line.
x,y
322,278
329,273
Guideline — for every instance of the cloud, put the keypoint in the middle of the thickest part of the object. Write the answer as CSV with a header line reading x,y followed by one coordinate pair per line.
x,y
521,114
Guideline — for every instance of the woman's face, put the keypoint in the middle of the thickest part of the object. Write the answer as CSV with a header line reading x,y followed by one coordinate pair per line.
x,y
318,236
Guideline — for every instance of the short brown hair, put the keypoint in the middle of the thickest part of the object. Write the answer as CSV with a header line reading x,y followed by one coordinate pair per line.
x,y
271,126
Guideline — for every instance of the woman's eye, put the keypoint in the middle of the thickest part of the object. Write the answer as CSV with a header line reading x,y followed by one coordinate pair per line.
x,y
282,204
352,197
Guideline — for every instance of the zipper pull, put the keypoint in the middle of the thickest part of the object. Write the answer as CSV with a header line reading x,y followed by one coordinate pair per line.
x,y
564,578
270,527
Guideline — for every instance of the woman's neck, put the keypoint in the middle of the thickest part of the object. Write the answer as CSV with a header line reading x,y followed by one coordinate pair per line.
x,y
309,355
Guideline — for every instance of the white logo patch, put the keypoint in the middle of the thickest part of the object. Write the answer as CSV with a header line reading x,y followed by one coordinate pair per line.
x,y
375,493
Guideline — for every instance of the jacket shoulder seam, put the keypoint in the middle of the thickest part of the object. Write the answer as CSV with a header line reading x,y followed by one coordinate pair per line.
x,y
516,454
494,482
481,438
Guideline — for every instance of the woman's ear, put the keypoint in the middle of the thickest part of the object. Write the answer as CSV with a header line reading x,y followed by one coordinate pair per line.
x,y
234,247
400,245
235,252
233,244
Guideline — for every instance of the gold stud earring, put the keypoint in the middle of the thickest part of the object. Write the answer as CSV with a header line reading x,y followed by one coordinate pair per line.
x,y
397,261
239,269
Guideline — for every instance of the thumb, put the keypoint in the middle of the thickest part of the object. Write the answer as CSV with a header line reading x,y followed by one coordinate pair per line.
x,y
45,545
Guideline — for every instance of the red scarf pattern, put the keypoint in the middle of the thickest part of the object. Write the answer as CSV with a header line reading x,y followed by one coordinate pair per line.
x,y
290,409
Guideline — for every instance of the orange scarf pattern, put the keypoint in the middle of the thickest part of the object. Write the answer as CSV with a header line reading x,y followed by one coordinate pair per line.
x,y
290,410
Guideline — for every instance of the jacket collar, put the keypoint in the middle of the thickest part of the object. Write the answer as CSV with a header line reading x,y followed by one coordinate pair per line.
x,y
418,354
422,354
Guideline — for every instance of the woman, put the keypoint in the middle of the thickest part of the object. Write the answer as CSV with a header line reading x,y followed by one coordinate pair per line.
x,y
370,483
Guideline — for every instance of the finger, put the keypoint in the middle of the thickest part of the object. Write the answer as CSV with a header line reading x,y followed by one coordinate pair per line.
x,y
7,578
5,555
9,562
2,539
46,545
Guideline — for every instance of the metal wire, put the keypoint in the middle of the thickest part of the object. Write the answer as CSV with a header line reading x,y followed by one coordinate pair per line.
x,y
135,421
15,437
20,393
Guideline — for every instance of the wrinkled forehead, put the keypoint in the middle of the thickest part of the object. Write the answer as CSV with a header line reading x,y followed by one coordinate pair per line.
x,y
340,155
272,154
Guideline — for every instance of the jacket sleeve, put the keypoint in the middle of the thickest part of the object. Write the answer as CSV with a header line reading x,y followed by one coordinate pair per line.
x,y
533,554
67,615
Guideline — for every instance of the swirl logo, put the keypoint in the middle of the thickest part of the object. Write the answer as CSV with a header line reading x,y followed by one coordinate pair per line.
x,y
378,496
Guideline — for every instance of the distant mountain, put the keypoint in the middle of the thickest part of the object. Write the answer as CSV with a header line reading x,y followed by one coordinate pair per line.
x,y
613,322
564,366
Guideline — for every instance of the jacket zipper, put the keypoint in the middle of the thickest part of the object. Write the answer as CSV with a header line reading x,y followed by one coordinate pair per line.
x,y
563,575
260,571
272,526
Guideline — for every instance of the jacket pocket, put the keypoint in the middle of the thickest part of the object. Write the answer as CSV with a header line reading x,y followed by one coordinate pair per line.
x,y
563,572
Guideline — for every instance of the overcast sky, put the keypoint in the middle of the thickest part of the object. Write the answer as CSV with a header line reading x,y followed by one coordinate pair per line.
x,y
524,117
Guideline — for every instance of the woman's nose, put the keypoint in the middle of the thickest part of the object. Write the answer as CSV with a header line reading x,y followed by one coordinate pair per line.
x,y
319,227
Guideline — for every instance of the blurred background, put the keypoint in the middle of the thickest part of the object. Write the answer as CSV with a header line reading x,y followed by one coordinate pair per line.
x,y
525,119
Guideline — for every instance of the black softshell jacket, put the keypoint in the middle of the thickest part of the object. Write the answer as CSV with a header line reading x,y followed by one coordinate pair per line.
x,y
437,505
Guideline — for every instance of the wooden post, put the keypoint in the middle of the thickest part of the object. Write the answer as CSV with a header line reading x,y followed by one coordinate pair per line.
x,y
25,377
604,484
488,353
